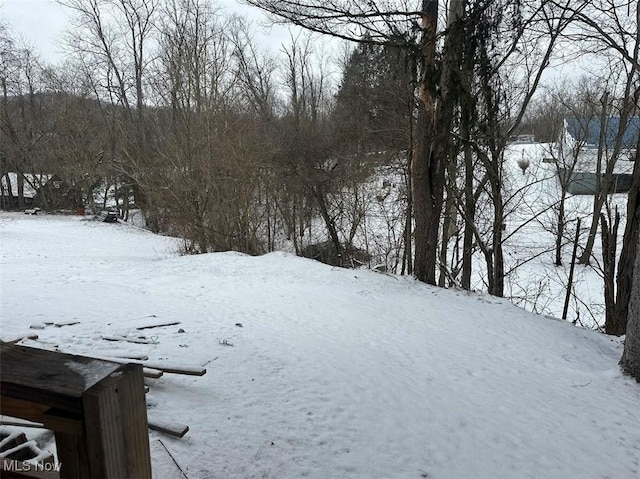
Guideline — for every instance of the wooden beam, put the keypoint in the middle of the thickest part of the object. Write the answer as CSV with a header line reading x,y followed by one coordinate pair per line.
x,y
154,366
167,427
151,373
175,368
11,440
96,408
157,324
17,339
57,420
118,441
114,353
49,378
51,421
23,409
128,340
19,422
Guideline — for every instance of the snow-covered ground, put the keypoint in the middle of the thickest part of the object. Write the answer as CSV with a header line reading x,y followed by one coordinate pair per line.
x,y
333,373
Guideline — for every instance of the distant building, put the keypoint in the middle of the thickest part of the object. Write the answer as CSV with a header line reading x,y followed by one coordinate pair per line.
x,y
45,191
9,190
523,138
584,141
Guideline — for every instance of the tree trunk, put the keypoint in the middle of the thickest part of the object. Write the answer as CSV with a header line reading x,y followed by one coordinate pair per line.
x,y
407,256
469,197
448,224
426,167
560,232
498,230
631,356
628,106
329,223
572,267
600,194
20,181
629,249
422,203
434,122
9,205
609,238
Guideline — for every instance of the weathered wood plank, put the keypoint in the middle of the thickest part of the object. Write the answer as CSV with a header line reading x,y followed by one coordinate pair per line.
x,y
28,451
175,368
9,439
128,340
57,420
155,423
148,372
151,368
114,353
152,373
73,456
18,338
47,377
96,408
168,427
118,441
23,409
159,323
6,420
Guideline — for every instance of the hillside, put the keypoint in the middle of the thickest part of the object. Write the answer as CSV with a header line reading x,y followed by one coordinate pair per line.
x,y
333,373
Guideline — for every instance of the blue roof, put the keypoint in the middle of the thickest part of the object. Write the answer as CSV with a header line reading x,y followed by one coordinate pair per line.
x,y
587,131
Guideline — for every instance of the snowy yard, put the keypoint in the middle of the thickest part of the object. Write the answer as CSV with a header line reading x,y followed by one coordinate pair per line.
x,y
333,373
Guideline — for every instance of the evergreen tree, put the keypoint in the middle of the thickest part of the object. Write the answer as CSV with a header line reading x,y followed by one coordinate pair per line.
x,y
374,101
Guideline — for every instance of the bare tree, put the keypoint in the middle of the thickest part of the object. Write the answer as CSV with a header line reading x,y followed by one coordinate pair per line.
x,y
112,39
631,356
24,125
205,177
394,24
610,27
306,157
577,103
493,107
630,251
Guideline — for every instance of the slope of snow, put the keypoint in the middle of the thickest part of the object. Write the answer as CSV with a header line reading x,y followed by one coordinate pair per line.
x,y
333,373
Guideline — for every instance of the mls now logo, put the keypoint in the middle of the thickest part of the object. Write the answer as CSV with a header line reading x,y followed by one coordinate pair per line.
x,y
28,466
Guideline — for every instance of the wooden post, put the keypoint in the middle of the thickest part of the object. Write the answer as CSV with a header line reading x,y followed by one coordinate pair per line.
x,y
96,408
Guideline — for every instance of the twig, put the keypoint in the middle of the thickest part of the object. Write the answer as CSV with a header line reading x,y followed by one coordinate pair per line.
x,y
580,385
210,361
173,459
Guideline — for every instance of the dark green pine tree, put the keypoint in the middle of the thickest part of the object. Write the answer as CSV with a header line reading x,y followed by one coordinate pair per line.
x,y
374,102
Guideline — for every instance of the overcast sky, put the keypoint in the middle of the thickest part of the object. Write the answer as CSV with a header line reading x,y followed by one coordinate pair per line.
x,y
39,22
42,24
